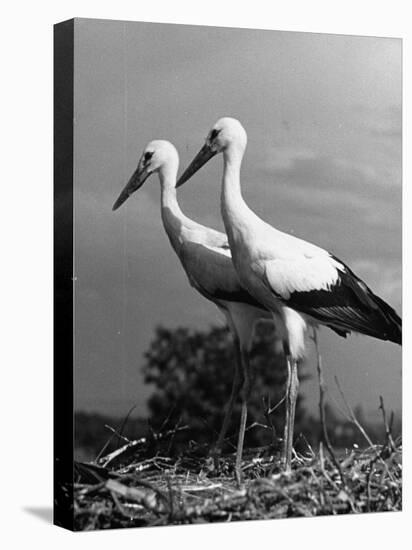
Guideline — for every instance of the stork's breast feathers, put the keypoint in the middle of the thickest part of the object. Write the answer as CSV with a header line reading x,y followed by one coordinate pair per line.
x,y
211,272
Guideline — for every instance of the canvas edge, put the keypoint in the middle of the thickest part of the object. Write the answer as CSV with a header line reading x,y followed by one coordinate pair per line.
x,y
63,355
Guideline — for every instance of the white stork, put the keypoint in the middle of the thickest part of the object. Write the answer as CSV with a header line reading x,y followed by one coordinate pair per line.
x,y
205,256
299,282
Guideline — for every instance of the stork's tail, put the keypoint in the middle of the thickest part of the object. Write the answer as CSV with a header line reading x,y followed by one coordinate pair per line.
x,y
382,321
390,322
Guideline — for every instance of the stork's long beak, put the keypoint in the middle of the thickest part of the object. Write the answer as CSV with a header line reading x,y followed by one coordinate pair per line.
x,y
205,154
137,180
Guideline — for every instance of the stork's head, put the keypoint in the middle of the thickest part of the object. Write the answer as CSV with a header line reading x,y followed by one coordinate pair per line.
x,y
158,156
226,133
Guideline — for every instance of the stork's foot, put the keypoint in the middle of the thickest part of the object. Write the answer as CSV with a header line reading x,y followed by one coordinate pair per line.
x,y
215,455
219,462
286,459
239,475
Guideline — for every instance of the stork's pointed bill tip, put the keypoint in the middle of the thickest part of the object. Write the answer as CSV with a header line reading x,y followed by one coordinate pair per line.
x,y
120,201
200,159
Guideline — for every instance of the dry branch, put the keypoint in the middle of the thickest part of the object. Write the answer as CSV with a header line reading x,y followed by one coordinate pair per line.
x,y
389,438
104,461
352,416
322,392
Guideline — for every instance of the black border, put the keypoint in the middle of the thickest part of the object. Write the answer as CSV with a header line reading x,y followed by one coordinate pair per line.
x,y
63,273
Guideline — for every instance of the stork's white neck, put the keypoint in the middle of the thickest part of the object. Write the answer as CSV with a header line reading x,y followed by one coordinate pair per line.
x,y
235,212
173,218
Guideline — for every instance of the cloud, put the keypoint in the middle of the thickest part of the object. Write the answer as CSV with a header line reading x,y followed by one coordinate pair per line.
x,y
366,172
322,181
385,278
380,122
283,158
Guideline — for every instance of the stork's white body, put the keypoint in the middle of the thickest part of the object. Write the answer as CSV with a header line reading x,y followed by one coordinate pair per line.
x,y
273,265
206,258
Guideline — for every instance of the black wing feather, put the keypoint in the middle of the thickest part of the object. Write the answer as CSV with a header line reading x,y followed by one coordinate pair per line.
x,y
350,305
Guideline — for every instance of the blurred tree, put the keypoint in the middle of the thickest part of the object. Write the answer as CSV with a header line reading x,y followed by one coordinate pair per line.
x,y
192,373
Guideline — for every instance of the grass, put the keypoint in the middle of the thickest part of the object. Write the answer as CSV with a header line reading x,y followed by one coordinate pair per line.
x,y
136,487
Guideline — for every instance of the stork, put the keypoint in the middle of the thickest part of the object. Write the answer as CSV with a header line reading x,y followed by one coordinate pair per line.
x,y
205,256
300,283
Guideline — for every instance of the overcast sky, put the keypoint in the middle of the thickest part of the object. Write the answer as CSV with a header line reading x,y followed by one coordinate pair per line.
x,y
323,117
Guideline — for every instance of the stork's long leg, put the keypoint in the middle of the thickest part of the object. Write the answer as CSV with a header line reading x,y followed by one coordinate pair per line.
x,y
292,388
287,411
242,320
245,394
236,385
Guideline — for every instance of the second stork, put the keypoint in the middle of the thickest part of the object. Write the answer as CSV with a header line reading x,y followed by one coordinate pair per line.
x,y
301,283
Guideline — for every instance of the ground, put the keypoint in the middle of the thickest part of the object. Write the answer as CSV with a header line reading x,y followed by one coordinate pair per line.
x,y
135,486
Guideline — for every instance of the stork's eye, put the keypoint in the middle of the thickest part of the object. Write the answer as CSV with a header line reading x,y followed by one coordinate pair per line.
x,y
148,155
214,133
